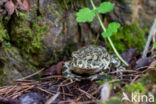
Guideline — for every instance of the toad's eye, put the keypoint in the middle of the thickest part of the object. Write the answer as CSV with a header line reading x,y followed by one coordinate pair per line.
x,y
89,60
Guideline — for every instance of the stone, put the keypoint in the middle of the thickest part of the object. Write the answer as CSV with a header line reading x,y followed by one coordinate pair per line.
x,y
131,11
12,66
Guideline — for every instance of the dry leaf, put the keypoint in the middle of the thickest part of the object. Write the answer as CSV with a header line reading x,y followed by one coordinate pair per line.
x,y
60,67
23,4
10,7
143,62
26,5
105,91
54,69
18,0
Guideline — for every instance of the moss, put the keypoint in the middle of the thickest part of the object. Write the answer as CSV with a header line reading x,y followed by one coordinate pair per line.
x,y
144,85
68,3
129,36
3,38
136,87
30,67
3,32
28,35
141,84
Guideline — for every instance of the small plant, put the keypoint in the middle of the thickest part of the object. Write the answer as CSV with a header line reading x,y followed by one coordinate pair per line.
x,y
154,45
87,15
128,36
136,87
3,33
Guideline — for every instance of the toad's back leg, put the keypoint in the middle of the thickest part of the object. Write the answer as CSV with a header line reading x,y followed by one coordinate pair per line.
x,y
116,65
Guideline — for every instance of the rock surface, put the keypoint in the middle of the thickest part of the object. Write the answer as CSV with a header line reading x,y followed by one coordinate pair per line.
x,y
131,11
12,65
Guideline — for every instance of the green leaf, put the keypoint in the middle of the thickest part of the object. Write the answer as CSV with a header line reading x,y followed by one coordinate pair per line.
x,y
85,15
155,45
8,45
106,34
112,28
105,7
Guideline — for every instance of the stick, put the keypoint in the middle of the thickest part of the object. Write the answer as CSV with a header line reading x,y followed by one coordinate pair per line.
x,y
151,33
29,76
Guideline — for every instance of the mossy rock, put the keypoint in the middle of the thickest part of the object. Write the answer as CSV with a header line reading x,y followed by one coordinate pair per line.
x,y
3,32
12,65
43,37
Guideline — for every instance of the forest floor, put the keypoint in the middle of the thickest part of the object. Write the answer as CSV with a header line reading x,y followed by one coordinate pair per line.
x,y
53,88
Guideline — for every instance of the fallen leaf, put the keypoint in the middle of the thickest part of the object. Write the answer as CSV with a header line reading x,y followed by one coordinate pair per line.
x,y
23,4
143,62
18,0
60,67
10,7
54,69
26,5
105,92
129,54
50,71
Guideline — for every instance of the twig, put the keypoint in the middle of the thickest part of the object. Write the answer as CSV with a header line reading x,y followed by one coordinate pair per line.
x,y
136,77
87,94
151,33
44,90
142,68
30,75
124,71
53,98
97,37
52,76
63,92
51,92
109,39
61,85
9,90
18,93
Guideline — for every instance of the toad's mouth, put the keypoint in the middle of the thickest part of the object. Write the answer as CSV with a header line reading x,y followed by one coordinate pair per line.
x,y
82,74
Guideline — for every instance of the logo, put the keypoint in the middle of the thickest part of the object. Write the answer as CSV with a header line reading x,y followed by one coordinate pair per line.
x,y
137,97
125,97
